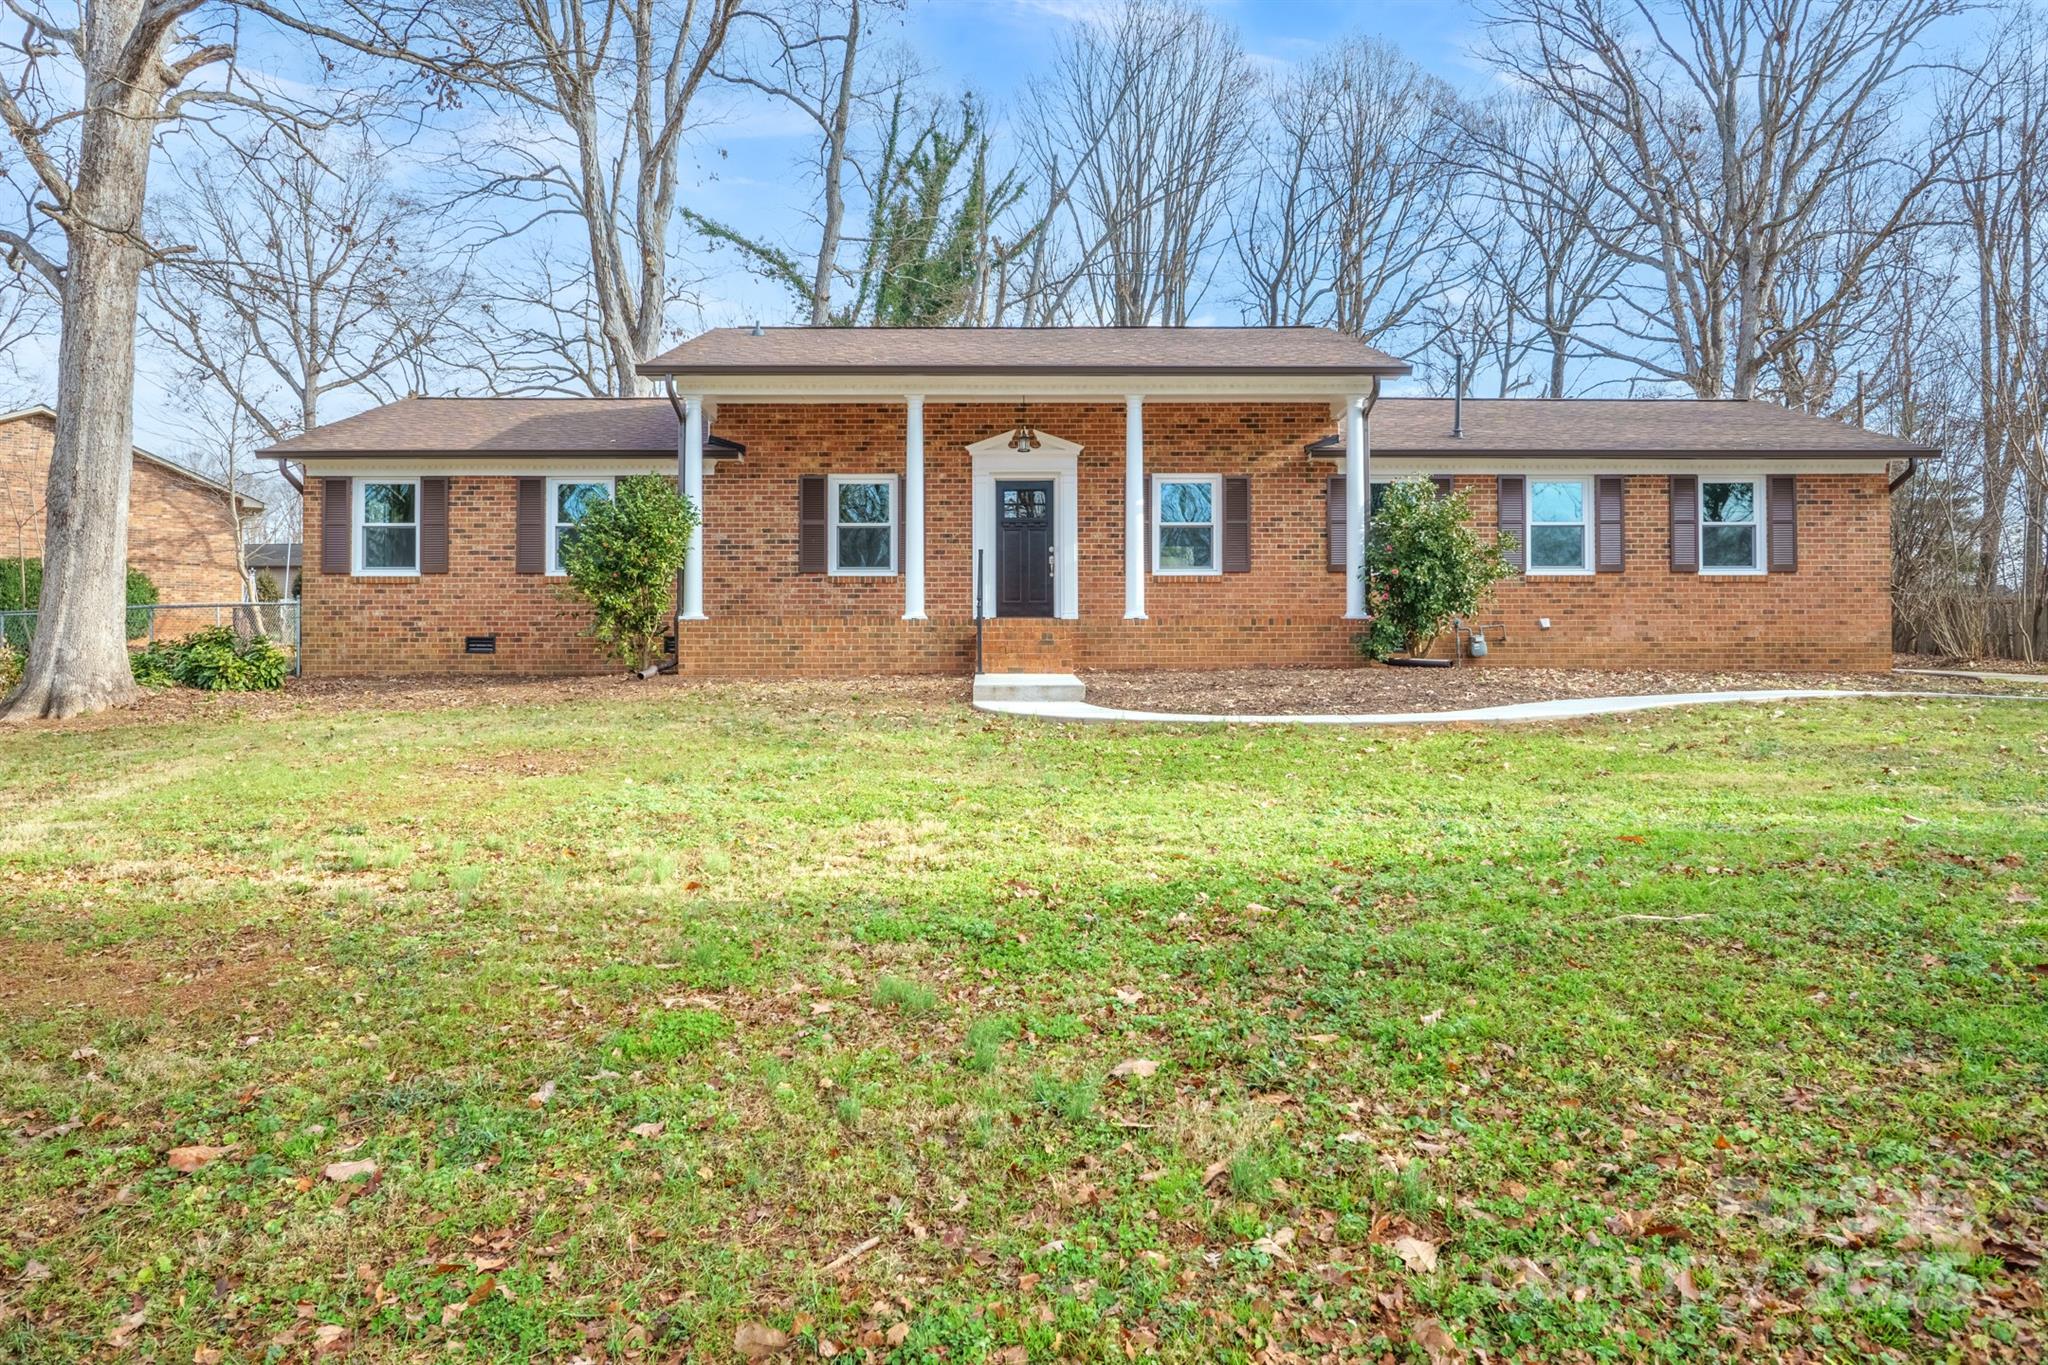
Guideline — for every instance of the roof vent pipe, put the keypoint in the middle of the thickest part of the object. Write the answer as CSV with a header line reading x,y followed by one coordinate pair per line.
x,y
1458,396
757,328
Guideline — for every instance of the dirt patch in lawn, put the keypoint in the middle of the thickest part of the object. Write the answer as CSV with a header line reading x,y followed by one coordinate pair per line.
x,y
1368,690
338,696
44,979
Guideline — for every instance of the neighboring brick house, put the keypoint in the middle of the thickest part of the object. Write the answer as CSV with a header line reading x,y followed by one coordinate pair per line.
x,y
1128,498
180,529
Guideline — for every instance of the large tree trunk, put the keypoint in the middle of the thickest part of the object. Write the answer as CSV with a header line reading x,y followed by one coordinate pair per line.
x,y
78,660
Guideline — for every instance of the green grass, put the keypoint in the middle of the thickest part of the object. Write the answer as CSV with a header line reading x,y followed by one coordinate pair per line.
x,y
1673,1035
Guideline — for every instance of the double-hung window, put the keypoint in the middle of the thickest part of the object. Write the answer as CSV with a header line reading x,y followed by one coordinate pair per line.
x,y
863,511
568,500
1558,526
388,526
1731,538
1186,509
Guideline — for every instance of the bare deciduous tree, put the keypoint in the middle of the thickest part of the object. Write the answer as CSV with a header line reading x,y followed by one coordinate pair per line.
x,y
1149,112
304,277
811,59
1573,237
2002,195
1352,224
597,98
1733,129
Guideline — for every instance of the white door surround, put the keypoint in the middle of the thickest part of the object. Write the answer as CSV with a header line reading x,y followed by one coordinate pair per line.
x,y
1055,459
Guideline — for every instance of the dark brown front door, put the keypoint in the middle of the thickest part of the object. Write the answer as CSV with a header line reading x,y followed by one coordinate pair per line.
x,y
1024,547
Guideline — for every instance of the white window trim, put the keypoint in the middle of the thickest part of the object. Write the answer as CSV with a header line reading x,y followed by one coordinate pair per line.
x,y
611,489
1588,513
1759,490
362,492
833,483
1215,524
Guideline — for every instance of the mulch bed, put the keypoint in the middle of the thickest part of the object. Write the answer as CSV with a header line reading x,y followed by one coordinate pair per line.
x,y
1973,665
1340,691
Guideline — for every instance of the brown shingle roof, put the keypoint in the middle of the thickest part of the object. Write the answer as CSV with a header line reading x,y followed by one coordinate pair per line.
x,y
644,427
1707,428
1067,350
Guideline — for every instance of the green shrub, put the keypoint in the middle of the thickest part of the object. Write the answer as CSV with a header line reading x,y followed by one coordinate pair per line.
x,y
10,666
267,589
213,660
21,589
156,666
1423,566
623,558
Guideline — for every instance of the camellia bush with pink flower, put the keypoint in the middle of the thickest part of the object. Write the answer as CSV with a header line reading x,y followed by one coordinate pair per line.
x,y
1423,566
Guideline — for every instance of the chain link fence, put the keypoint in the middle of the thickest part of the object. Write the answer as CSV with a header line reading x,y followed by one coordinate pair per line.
x,y
279,621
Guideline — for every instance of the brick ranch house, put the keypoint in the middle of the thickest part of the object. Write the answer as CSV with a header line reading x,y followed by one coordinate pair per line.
x,y
1126,498
181,530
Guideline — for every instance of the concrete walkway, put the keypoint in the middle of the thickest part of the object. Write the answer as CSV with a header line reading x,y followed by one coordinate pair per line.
x,y
2037,679
1568,708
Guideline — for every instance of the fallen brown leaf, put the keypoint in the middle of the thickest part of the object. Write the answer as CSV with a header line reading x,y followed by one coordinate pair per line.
x,y
186,1160
1139,1067
1418,1255
342,1171
758,1341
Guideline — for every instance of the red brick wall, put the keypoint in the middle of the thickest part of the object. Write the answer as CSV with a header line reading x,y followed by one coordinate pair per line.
x,y
750,528
380,626
766,619
1834,613
180,531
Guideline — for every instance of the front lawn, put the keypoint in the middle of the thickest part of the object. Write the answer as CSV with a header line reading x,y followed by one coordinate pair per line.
x,y
693,1023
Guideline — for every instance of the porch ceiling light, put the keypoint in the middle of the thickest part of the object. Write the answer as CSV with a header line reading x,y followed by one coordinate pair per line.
x,y
1025,438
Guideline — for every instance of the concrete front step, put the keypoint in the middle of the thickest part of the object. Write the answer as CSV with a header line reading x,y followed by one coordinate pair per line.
x,y
1019,687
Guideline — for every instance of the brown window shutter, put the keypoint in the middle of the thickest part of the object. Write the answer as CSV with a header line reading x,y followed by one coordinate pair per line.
x,y
1237,524
1442,483
1782,504
337,513
1685,523
1337,518
530,545
1609,492
810,523
433,526
1514,491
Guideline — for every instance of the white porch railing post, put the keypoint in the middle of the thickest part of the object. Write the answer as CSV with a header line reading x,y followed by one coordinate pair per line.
x,y
691,460
1134,507
913,508
1357,504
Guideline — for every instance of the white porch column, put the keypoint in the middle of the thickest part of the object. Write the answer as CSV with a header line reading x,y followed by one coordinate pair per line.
x,y
1134,507
913,508
1357,494
691,461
